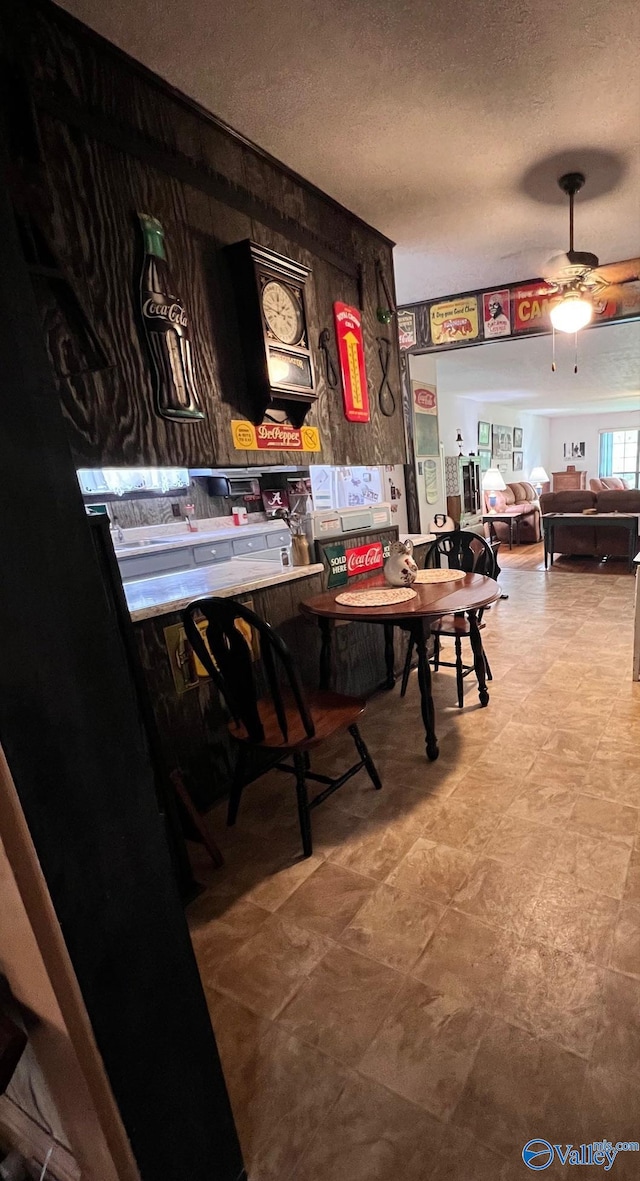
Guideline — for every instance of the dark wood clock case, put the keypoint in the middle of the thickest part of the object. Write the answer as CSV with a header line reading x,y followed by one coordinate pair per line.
x,y
292,387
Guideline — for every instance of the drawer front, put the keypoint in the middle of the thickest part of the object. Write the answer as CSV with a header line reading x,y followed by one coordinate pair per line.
x,y
277,540
147,564
218,551
248,545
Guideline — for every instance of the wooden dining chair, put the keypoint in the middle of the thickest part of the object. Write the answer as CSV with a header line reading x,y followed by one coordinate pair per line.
x,y
472,553
282,721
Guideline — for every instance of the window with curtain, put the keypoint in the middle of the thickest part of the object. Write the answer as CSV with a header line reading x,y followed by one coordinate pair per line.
x,y
620,455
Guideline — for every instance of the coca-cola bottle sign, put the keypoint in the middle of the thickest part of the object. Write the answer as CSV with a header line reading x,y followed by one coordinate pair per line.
x,y
166,325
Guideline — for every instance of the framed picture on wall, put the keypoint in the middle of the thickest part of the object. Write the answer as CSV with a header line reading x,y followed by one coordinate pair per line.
x,y
517,437
484,434
518,461
502,443
484,455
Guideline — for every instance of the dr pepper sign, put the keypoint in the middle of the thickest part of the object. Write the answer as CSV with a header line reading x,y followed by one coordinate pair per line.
x,y
352,369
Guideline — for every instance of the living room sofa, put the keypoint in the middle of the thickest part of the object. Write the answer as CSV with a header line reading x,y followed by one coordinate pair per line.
x,y
596,542
518,500
608,484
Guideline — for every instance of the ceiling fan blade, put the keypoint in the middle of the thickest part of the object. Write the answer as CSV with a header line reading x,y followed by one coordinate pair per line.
x,y
611,291
617,272
554,266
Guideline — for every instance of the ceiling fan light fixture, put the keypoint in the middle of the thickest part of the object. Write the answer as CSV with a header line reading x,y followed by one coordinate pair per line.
x,y
571,313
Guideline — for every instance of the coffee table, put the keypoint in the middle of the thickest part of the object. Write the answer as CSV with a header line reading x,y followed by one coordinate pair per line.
x,y
509,519
628,521
432,601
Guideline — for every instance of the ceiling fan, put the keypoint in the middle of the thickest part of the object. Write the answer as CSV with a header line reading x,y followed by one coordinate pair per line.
x,y
577,276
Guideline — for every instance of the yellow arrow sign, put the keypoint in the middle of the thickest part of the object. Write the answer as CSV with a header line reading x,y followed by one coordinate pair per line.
x,y
351,342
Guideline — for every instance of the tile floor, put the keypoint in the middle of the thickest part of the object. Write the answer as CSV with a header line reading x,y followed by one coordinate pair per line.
x,y
457,968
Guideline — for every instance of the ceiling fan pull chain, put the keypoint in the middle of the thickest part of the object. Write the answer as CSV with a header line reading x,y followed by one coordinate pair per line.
x,y
575,366
553,349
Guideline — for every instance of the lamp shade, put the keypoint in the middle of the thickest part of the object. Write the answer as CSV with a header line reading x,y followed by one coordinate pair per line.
x,y
539,476
492,481
571,313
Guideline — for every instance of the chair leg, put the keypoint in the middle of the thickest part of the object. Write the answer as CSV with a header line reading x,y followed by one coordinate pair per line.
x,y
459,672
237,787
304,812
195,817
407,668
486,665
362,750
436,652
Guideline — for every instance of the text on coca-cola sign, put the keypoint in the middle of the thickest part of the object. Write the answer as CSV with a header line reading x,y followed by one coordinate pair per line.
x,y
365,558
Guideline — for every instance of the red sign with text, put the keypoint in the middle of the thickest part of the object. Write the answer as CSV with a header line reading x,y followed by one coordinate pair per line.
x,y
531,306
355,394
364,558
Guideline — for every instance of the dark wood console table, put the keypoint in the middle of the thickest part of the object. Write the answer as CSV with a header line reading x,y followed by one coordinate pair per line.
x,y
628,521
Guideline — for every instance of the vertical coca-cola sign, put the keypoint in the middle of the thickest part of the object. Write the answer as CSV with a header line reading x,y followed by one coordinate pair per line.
x,y
166,325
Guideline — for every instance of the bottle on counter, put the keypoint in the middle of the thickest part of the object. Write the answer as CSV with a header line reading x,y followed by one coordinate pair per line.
x,y
166,327
300,551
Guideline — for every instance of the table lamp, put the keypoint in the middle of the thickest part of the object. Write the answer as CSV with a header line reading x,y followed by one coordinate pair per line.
x,y
538,477
493,482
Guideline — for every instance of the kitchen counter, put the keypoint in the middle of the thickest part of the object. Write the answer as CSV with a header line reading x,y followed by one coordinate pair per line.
x,y
158,538
149,597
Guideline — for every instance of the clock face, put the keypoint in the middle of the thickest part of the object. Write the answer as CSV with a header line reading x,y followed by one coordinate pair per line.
x,y
282,311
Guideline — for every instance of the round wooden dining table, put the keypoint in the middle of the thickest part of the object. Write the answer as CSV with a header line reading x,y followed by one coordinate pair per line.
x,y
432,601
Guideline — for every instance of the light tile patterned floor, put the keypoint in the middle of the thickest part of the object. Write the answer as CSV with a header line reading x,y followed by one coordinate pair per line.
x,y
457,968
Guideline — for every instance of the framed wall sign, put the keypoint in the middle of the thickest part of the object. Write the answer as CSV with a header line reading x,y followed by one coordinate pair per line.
x,y
495,314
454,319
484,434
355,393
407,334
425,418
484,455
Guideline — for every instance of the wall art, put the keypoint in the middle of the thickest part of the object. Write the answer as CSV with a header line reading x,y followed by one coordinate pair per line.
x,y
495,314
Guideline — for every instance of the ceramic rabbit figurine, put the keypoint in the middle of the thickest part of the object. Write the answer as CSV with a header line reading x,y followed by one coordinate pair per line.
x,y
400,568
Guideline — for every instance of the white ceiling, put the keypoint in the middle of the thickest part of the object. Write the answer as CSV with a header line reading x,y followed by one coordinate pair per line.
x,y
518,372
424,118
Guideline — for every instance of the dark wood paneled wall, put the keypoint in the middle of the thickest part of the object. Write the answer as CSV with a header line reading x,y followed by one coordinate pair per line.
x,y
72,737
97,139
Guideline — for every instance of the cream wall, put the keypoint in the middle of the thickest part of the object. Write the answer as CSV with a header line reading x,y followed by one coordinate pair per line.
x,y
465,413
585,428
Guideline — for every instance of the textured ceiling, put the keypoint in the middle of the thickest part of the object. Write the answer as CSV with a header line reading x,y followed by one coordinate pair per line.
x,y
424,118
518,372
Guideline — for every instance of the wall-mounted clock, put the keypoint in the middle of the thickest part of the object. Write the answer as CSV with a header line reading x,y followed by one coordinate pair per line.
x,y
272,311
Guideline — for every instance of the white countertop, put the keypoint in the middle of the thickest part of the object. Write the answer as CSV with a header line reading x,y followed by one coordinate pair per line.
x,y
157,538
149,597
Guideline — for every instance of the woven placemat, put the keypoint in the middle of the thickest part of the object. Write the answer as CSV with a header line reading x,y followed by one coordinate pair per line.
x,y
380,597
440,576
